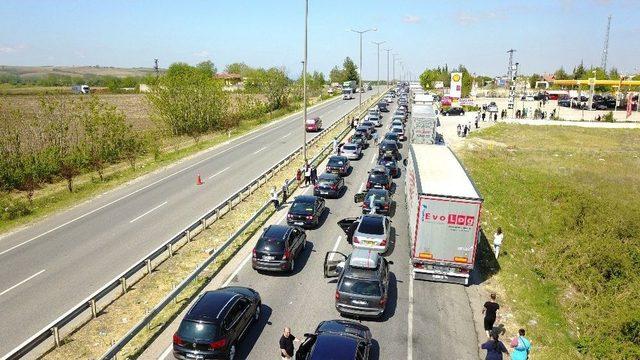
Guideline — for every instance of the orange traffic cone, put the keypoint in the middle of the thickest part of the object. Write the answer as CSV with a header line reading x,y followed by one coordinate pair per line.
x,y
199,180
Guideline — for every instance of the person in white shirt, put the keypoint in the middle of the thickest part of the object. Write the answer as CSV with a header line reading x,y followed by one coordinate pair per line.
x,y
497,241
274,198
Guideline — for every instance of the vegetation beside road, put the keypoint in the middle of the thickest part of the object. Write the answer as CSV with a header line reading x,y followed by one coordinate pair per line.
x,y
567,200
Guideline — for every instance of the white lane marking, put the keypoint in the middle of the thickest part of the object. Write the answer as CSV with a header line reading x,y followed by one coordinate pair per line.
x,y
148,212
22,282
166,352
335,247
219,172
284,123
361,187
237,270
259,150
373,159
410,321
286,135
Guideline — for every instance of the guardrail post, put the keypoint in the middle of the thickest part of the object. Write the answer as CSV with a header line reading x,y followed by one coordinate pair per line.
x,y
94,309
204,223
170,249
123,282
187,234
56,335
148,264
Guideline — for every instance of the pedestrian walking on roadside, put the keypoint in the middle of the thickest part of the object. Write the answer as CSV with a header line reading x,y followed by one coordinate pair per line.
x,y
497,241
285,189
274,198
286,344
476,122
307,174
484,115
465,131
495,117
459,130
490,311
495,348
314,175
521,346
335,145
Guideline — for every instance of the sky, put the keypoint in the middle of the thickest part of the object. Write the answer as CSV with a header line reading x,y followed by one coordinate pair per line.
x,y
424,33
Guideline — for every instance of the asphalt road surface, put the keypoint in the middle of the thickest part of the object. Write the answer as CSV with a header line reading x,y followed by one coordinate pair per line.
x,y
47,268
423,320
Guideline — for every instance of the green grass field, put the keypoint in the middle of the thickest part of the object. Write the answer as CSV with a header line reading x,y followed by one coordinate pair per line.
x,y
568,200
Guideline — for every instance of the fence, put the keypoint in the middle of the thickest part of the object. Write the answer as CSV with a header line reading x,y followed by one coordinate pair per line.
x,y
146,265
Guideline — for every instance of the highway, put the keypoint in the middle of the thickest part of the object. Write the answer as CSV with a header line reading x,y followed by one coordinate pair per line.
x,y
423,320
50,266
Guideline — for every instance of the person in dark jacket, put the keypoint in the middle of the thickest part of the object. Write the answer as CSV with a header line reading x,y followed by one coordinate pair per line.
x,y
495,348
314,175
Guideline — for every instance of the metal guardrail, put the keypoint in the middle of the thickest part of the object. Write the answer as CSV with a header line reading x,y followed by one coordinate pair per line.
x,y
147,262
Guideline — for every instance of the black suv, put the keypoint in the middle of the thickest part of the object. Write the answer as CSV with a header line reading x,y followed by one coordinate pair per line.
x,y
339,165
336,339
306,211
278,247
453,111
363,282
214,325
329,185
379,178
389,147
391,164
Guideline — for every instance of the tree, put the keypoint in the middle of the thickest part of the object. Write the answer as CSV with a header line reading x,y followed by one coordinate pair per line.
x,y
560,74
240,68
579,72
336,75
533,79
350,70
274,84
614,74
207,67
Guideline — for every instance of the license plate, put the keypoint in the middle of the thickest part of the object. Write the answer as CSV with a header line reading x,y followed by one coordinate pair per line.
x,y
359,302
298,223
194,356
437,276
266,257
370,243
324,192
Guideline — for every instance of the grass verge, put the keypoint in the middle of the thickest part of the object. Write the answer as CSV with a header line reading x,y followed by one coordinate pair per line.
x,y
568,199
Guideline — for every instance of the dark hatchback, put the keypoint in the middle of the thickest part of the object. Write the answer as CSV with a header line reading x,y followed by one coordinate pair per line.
x,y
337,340
379,178
391,164
214,325
278,248
381,201
389,148
306,211
329,185
338,165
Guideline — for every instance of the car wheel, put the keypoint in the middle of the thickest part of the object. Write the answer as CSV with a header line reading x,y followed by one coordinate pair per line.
x,y
256,317
232,352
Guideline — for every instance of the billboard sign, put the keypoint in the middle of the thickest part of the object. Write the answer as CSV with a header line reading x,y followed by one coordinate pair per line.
x,y
455,90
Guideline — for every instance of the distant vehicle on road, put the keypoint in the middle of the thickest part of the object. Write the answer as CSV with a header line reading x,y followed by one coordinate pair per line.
x,y
379,178
375,119
314,124
351,151
359,138
336,339
277,248
391,164
382,105
329,186
338,165
363,282
347,94
214,325
527,98
369,231
391,136
444,215
306,211
389,148
453,111
369,87
80,89
381,201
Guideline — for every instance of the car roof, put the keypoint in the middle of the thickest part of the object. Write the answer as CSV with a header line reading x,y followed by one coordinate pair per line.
x,y
212,305
350,144
343,327
378,191
381,168
334,346
338,157
305,198
277,231
364,259
329,176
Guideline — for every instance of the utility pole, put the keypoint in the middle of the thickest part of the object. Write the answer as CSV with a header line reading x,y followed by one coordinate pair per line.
x,y
605,51
360,68
388,50
304,82
378,44
511,78
393,79
592,84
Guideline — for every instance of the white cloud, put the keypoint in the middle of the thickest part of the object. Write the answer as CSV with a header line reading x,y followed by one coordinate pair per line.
x,y
8,49
201,54
411,19
465,18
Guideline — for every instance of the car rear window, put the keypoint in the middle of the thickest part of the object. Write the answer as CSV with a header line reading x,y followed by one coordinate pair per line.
x,y
397,130
376,198
336,162
197,331
267,244
360,287
302,207
349,147
371,225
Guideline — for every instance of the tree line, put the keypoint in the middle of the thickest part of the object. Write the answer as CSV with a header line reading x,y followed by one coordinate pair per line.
x,y
581,72
429,77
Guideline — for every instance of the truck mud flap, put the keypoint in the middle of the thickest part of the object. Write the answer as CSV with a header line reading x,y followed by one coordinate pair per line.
x,y
462,280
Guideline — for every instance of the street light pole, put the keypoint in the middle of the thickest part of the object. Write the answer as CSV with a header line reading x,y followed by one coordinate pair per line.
x,y
388,50
360,77
304,82
394,67
378,43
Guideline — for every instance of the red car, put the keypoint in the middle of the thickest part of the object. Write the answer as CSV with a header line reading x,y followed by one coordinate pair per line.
x,y
314,124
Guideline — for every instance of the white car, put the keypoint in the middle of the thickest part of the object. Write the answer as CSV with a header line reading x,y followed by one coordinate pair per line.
x,y
375,119
351,151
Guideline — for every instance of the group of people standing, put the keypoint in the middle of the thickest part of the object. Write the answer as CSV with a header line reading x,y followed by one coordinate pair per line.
x,y
520,345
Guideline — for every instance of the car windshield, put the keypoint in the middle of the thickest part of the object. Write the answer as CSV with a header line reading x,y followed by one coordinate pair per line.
x,y
197,331
311,121
360,287
349,147
299,207
371,225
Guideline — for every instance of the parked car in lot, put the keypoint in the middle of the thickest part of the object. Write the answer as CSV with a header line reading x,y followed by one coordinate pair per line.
x,y
329,186
381,199
351,151
278,247
338,165
306,211
389,148
336,339
453,111
492,107
391,164
363,282
379,178
314,124
527,98
369,231
214,325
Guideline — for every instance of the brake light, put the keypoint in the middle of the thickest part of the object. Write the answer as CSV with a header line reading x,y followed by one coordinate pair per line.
x,y
286,255
368,184
425,255
337,295
254,254
309,217
462,259
386,206
356,240
177,340
383,242
218,344
383,301
289,216
334,187
316,186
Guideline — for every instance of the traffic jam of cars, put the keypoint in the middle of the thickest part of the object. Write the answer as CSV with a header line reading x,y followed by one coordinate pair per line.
x,y
215,324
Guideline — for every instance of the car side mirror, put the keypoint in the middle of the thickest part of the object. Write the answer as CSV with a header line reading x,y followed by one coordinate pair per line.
x,y
405,162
